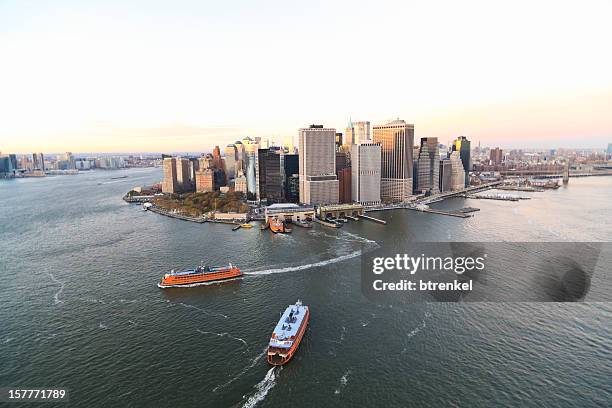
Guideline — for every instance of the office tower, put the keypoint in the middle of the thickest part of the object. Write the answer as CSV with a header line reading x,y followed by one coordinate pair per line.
x,y
292,168
216,157
170,183
365,173
183,175
205,181
349,134
457,172
344,185
338,141
292,194
14,163
240,183
446,175
251,164
496,156
318,180
194,166
361,133
38,161
396,139
462,145
428,166
609,149
6,166
358,133
271,175
231,158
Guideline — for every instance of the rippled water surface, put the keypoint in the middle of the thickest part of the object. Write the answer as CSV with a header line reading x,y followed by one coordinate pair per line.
x,y
80,307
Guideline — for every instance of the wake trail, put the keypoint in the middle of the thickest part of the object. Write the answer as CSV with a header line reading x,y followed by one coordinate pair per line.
x,y
263,387
254,361
56,298
343,382
307,266
224,334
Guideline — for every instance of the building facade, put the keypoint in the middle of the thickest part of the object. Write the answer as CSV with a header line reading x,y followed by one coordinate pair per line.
x,y
317,165
231,158
205,181
446,175
170,182
462,145
396,139
457,172
365,173
271,175
428,166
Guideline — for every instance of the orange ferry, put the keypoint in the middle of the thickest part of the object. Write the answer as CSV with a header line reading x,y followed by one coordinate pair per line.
x,y
199,275
288,333
278,226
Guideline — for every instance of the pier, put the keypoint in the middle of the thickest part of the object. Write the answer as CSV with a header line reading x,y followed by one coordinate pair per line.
x,y
367,217
500,197
327,224
462,213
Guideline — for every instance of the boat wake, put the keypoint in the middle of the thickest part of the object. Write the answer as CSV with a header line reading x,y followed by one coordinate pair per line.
x,y
56,298
225,334
307,266
417,329
252,364
343,382
102,326
263,387
199,309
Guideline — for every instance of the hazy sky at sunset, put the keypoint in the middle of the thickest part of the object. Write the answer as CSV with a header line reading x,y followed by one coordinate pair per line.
x,y
177,75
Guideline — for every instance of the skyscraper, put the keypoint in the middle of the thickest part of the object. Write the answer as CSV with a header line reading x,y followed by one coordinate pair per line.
x,y
496,156
183,175
428,166
396,139
462,145
38,161
217,157
205,181
318,180
446,175
251,170
231,158
271,175
457,172
365,173
169,182
358,133
292,169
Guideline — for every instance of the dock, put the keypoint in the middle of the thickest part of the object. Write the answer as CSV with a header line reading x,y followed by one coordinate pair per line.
x,y
367,217
350,217
455,213
327,224
520,188
500,197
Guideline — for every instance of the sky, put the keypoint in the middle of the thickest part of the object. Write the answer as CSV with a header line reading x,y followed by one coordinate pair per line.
x,y
117,76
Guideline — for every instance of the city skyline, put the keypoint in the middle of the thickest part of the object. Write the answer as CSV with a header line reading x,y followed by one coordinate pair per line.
x,y
185,76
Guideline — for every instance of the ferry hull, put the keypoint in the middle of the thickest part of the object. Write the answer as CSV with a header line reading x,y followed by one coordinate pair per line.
x,y
172,281
277,356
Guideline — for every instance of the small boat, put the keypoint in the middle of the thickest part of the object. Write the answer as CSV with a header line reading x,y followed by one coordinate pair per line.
x,y
288,333
237,227
118,177
303,224
199,275
342,220
246,225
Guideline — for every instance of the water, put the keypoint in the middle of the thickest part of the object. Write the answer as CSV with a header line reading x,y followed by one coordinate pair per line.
x,y
81,309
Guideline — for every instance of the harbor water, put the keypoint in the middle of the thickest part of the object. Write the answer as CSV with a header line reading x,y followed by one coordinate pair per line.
x,y
81,308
